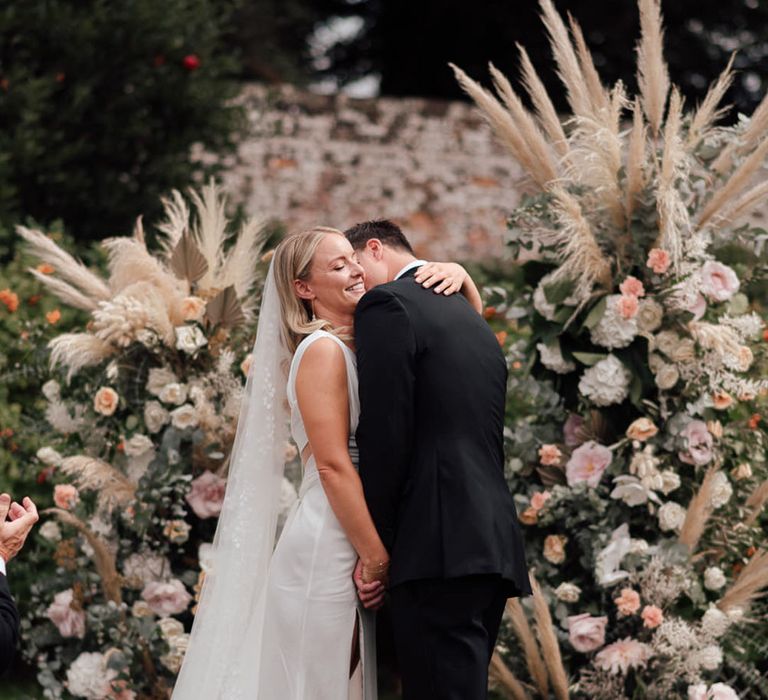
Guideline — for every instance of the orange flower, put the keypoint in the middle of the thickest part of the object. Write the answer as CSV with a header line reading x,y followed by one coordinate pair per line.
x,y
517,364
32,301
10,299
722,400
45,269
53,316
529,516
765,334
754,421
501,336
628,603
751,551
489,312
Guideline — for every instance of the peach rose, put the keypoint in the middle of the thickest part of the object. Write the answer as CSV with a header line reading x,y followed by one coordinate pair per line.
x,y
586,633
642,429
53,317
652,616
658,260
539,499
722,400
632,287
245,365
554,548
69,620
716,428
206,497
192,308
529,516
65,496
627,306
105,401
628,603
549,454
166,597
587,464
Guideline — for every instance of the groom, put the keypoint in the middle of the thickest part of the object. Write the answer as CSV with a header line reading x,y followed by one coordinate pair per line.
x,y
432,382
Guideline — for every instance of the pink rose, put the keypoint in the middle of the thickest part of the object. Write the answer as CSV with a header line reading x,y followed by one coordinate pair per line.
x,y
721,691
698,307
539,499
65,496
587,463
652,616
628,603
718,282
658,260
206,496
166,598
697,692
627,306
632,287
620,656
549,454
69,620
586,633
699,443
573,430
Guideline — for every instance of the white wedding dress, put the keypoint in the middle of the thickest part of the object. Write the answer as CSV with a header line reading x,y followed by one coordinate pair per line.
x,y
311,600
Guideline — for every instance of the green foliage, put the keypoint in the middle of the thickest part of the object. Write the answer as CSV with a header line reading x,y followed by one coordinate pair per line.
x,y
100,104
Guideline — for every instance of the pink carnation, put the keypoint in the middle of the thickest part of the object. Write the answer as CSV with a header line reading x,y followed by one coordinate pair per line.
x,y
549,454
206,497
166,597
620,656
658,260
586,633
718,282
587,463
652,616
65,496
628,602
632,287
627,306
539,499
699,443
69,620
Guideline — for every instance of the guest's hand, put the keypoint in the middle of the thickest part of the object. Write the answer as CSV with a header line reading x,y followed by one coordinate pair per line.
x,y
16,521
371,593
449,277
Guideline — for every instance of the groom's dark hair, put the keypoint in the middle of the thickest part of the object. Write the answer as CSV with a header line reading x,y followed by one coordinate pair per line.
x,y
383,229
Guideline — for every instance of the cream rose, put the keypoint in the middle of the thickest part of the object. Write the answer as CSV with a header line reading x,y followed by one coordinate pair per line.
x,y
177,531
137,445
666,377
184,417
554,548
173,393
155,416
671,516
192,308
190,339
158,378
568,592
649,315
89,677
742,471
714,578
49,456
106,400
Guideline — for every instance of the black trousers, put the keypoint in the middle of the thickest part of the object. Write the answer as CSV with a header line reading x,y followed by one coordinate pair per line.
x,y
445,632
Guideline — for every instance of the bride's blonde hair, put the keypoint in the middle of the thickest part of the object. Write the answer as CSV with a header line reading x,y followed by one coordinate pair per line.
x,y
292,261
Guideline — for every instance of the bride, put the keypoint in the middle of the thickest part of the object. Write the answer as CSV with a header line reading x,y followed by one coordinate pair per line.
x,y
284,622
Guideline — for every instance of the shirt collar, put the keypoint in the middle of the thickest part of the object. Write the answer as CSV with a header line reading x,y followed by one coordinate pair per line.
x,y
410,266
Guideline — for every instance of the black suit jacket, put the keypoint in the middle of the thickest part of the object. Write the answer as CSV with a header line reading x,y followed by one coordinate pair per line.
x,y
9,626
432,382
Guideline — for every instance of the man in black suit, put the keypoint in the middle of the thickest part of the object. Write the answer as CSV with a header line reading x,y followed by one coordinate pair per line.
x,y
16,521
432,382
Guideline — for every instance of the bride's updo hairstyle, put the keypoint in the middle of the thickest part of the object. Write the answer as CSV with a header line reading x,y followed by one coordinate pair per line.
x,y
293,261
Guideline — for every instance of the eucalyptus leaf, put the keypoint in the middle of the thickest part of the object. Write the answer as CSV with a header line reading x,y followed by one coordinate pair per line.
x,y
596,313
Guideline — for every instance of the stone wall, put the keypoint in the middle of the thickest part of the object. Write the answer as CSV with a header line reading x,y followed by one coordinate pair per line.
x,y
431,166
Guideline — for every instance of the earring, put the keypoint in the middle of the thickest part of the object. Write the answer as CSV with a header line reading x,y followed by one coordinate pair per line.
x,y
312,305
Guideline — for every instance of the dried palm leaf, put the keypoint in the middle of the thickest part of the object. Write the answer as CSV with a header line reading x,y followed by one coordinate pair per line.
x,y
698,513
652,73
78,350
748,586
545,631
525,636
708,112
102,559
545,110
186,261
114,489
224,309
509,685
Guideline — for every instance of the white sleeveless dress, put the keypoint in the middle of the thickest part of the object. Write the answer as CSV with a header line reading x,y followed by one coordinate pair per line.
x,y
311,598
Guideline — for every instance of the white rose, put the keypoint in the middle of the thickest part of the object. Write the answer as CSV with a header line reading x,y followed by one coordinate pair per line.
x,y
655,361
49,456
158,378
138,445
671,516
649,315
155,416
613,330
667,376
88,676
568,592
51,390
607,382
638,546
173,393
721,490
170,627
190,339
174,658
184,417
714,578
669,481
709,658
715,622
141,609
552,358
50,531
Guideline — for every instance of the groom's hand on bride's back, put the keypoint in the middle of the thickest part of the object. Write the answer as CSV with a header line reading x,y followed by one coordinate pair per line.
x,y
371,594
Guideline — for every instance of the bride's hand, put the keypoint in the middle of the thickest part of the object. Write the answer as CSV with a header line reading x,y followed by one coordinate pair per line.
x,y
370,592
448,276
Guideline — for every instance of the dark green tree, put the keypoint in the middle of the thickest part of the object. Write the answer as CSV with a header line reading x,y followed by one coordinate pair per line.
x,y
101,102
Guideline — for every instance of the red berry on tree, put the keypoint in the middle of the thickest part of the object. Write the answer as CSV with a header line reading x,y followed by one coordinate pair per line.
x,y
191,62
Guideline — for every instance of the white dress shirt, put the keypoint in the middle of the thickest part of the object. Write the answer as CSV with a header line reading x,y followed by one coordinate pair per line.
x,y
2,566
410,266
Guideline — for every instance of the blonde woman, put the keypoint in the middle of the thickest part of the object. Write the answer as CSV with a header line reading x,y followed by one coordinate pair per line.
x,y
285,623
